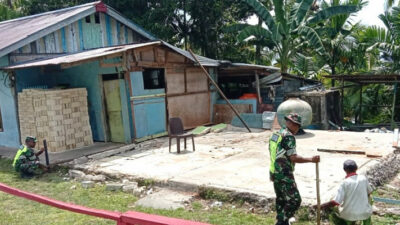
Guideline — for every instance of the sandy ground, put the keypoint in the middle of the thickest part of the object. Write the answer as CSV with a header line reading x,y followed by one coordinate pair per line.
x,y
239,161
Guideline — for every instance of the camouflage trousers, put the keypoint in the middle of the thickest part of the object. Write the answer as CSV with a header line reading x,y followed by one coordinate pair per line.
x,y
288,198
28,168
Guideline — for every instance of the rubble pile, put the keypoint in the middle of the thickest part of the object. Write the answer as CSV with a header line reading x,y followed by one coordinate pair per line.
x,y
384,171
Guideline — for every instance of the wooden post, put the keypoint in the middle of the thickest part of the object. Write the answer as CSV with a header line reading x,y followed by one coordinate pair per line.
x,y
318,195
394,104
219,90
341,106
360,107
258,88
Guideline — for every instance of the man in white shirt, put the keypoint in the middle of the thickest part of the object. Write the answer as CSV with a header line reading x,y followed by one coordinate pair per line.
x,y
352,198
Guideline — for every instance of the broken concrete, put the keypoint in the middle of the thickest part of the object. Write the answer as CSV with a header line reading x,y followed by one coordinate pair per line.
x,y
95,178
114,186
76,174
87,184
164,199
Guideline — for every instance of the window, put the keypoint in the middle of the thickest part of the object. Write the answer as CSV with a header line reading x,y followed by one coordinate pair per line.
x,y
97,18
153,78
1,123
87,19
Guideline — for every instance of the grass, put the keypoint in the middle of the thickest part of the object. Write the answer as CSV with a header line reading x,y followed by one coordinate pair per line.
x,y
18,211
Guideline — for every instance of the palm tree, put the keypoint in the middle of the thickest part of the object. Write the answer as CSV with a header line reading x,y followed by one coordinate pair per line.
x,y
291,27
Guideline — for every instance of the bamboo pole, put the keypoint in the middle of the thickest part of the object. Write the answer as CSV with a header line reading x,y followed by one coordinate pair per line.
x,y
219,90
318,195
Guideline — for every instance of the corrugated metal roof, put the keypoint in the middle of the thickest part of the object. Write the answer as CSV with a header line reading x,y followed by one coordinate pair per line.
x,y
203,60
80,56
21,31
271,69
368,78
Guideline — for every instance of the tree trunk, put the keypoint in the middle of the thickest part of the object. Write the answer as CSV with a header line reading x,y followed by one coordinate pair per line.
x,y
258,46
333,70
9,4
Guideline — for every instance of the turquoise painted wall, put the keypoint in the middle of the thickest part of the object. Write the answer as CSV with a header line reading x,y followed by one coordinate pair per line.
x,y
87,76
10,135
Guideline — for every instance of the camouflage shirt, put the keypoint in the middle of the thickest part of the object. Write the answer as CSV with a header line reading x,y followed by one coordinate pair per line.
x,y
283,166
25,157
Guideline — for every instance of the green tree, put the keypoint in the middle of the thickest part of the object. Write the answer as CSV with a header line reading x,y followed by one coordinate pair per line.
x,y
336,33
291,27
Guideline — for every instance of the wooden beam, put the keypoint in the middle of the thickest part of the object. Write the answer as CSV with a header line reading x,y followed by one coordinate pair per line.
x,y
258,88
219,90
188,93
107,65
394,104
360,106
341,151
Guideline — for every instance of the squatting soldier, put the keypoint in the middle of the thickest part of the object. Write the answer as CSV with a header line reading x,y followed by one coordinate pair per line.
x,y
283,155
354,191
26,161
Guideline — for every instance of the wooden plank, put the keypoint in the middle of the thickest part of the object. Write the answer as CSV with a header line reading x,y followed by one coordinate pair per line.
x,y
103,29
341,151
188,93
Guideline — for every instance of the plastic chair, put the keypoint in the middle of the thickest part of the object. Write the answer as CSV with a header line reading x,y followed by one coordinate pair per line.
x,y
176,131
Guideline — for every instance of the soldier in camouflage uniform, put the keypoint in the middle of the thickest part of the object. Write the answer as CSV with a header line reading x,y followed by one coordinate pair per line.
x,y
26,161
283,156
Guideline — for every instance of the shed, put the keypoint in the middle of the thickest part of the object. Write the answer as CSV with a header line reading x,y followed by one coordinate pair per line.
x,y
134,82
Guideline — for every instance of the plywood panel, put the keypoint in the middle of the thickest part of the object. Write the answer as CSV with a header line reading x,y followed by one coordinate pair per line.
x,y
196,80
194,110
147,55
175,81
173,57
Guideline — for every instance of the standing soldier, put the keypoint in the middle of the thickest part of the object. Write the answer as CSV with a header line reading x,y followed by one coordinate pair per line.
x,y
26,161
283,155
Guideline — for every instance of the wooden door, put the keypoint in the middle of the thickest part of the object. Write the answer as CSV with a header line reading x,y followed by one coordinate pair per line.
x,y
114,110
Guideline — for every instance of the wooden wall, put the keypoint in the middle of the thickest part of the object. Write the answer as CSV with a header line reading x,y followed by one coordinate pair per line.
x,y
187,89
81,35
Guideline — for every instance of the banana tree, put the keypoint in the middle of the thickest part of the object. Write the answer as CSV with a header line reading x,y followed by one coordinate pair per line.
x,y
387,42
336,34
290,28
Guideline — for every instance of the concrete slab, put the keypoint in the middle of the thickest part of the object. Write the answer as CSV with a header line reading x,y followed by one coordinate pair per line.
x,y
239,161
164,199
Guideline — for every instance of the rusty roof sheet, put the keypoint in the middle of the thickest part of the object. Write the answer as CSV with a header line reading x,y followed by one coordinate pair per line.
x,y
21,31
17,30
203,60
94,54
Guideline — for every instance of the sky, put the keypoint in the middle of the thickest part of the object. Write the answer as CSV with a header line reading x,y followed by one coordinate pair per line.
x,y
367,16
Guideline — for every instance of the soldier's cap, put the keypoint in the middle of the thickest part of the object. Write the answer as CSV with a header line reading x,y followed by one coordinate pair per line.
x,y
30,138
350,165
294,117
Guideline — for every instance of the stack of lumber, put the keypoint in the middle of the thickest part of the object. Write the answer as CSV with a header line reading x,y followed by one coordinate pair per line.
x,y
59,116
